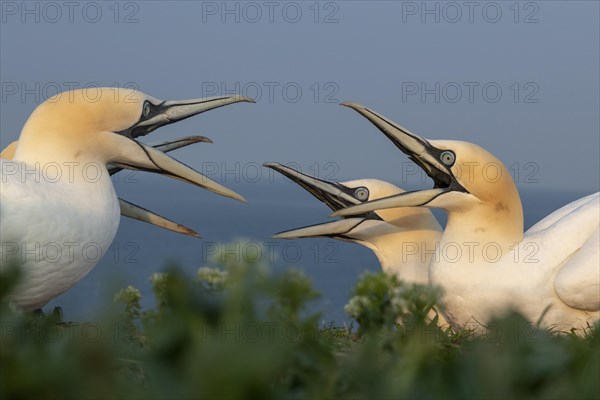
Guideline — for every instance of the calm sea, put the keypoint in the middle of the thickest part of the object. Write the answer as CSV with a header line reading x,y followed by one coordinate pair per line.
x,y
243,231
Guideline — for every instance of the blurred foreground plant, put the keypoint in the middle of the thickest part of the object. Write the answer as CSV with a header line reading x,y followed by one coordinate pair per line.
x,y
381,301
243,331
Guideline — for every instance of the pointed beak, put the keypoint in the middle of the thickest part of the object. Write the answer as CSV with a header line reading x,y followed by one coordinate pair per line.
x,y
335,195
169,145
134,211
141,214
334,229
419,198
421,152
169,112
418,149
134,155
137,156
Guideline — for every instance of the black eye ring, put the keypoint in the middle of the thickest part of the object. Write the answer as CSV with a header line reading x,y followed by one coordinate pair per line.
x,y
447,158
361,193
146,109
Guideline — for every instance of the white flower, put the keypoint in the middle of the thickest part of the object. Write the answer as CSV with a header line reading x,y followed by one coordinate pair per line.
x,y
213,278
357,305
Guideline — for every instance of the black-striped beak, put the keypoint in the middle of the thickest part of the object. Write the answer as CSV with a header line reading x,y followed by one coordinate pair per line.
x,y
435,162
335,195
156,114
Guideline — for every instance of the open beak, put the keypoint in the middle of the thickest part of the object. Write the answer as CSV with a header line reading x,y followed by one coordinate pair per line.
x,y
141,214
169,145
335,229
335,195
134,211
138,156
134,155
421,152
168,112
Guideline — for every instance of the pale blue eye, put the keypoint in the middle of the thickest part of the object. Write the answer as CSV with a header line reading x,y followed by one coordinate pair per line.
x,y
448,158
362,193
146,111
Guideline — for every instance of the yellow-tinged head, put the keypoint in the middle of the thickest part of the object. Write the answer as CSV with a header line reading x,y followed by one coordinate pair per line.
x,y
470,183
366,227
99,125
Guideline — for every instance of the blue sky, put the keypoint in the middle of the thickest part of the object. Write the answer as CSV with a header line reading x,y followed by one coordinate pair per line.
x,y
435,67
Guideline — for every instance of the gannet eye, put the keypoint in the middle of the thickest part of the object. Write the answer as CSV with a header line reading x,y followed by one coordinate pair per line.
x,y
447,157
362,193
146,110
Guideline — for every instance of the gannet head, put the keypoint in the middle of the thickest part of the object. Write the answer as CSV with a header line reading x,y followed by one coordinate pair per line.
x,y
467,178
365,228
100,125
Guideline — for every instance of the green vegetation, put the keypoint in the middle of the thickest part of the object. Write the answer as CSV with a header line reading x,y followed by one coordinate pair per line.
x,y
242,331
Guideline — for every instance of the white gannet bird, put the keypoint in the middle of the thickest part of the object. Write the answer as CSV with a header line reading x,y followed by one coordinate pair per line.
x,y
129,209
403,239
485,263
58,208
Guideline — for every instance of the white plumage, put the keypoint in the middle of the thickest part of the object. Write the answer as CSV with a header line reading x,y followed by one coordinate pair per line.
x,y
55,231
59,211
403,239
485,263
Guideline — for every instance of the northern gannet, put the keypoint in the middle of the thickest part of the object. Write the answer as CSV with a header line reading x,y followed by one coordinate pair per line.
x,y
58,209
485,263
129,209
403,239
